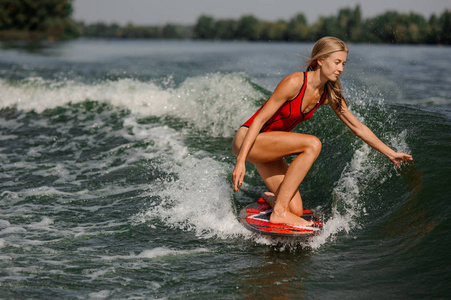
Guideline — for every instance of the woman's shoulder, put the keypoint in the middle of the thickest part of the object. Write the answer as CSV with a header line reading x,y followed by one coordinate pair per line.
x,y
294,78
293,81
289,86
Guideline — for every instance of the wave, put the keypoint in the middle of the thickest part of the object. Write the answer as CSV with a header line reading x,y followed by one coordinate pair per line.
x,y
215,103
197,195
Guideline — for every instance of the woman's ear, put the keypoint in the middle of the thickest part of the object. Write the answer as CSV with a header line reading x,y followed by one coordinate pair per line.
x,y
320,62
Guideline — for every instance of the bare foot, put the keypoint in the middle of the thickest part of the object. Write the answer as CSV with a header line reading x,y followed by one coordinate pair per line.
x,y
289,218
269,198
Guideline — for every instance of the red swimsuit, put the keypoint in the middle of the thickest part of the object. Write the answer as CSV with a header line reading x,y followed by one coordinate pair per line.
x,y
289,114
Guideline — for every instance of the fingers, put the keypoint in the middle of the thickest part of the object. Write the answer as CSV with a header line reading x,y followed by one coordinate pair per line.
x,y
237,183
240,184
406,157
402,157
237,177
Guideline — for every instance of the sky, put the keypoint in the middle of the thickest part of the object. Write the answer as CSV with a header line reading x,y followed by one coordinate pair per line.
x,y
186,12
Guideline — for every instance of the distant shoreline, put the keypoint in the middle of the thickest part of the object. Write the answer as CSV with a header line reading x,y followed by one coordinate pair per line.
x,y
388,28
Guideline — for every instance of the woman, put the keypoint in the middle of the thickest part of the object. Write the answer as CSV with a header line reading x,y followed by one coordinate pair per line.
x,y
265,139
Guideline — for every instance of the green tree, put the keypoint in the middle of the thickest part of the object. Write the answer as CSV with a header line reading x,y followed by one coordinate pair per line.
x,y
101,30
297,29
434,30
383,28
51,17
170,31
248,28
225,29
356,26
344,24
445,27
204,28
393,27
272,31
324,27
141,32
417,28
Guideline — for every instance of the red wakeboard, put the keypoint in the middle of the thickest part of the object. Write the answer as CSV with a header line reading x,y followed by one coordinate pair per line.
x,y
255,217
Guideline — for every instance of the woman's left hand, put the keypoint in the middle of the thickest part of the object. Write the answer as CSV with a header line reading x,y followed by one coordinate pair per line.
x,y
400,157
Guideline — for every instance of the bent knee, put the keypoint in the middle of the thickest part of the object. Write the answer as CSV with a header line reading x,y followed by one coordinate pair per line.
x,y
314,146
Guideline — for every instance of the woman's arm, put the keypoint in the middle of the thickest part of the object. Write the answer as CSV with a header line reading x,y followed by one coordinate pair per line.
x,y
368,136
287,89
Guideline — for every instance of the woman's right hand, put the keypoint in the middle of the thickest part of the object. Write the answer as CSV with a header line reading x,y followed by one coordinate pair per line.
x,y
238,175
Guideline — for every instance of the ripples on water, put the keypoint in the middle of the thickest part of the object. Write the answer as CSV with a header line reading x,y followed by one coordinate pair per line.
x,y
116,164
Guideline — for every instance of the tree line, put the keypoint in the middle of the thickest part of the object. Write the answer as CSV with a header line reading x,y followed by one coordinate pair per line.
x,y
51,19
348,25
130,31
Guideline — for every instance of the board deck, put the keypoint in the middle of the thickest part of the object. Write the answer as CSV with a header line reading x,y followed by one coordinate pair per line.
x,y
255,217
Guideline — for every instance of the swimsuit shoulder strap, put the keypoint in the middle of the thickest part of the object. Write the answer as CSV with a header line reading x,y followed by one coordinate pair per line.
x,y
323,96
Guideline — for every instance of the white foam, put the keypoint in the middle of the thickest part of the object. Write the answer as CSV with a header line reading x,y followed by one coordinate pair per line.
x,y
100,295
347,205
200,199
43,224
4,223
156,253
216,102
7,137
163,251
13,230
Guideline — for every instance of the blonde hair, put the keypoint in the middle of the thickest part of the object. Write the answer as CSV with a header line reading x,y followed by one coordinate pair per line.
x,y
321,50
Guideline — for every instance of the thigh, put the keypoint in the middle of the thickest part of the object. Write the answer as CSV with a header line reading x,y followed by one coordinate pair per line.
x,y
274,145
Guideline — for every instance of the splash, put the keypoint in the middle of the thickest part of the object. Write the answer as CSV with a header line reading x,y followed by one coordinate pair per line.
x,y
198,199
348,206
192,191
357,179
216,103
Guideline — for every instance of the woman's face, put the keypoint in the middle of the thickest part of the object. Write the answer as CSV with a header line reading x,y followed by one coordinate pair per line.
x,y
332,66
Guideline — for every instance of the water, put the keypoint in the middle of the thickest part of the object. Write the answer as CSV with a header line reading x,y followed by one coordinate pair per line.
x,y
116,174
